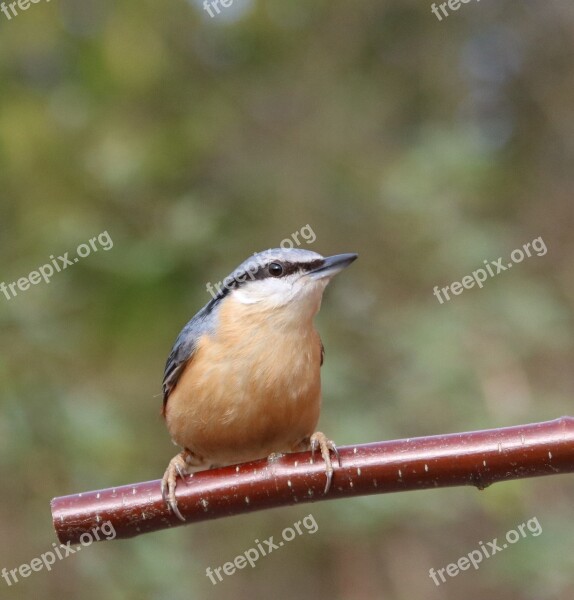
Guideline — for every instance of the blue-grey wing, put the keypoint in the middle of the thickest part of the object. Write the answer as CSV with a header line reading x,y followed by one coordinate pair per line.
x,y
184,349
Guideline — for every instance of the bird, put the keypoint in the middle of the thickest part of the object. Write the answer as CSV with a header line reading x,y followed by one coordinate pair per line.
x,y
242,381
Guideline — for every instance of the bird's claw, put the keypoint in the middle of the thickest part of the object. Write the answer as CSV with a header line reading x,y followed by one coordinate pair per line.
x,y
319,440
177,466
181,473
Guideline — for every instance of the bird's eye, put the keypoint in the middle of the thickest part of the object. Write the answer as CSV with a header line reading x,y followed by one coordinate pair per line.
x,y
275,269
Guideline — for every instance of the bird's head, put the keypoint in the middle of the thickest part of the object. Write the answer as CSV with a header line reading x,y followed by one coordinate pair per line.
x,y
287,281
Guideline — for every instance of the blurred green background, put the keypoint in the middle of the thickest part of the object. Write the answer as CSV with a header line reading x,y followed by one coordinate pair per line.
x,y
426,146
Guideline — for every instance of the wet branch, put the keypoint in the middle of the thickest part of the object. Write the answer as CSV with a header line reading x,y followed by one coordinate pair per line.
x,y
477,458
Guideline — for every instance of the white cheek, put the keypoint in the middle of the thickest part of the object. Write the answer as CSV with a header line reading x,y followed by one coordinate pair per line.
x,y
273,291
299,293
244,297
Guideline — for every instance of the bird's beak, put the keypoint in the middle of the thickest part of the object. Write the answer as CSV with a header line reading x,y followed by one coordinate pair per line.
x,y
332,265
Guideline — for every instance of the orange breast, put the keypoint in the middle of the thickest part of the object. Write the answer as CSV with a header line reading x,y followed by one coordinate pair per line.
x,y
251,390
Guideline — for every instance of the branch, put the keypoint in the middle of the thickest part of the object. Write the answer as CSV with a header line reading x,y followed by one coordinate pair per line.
x,y
477,458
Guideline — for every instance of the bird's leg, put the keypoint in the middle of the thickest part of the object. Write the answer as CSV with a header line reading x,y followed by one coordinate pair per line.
x,y
182,464
319,440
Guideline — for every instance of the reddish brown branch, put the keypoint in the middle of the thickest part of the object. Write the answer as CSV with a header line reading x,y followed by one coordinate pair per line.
x,y
478,458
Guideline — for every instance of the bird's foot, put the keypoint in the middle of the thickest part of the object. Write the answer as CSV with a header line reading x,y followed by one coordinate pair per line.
x,y
178,465
319,440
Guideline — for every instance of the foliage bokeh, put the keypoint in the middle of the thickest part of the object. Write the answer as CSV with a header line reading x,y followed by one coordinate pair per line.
x,y
425,146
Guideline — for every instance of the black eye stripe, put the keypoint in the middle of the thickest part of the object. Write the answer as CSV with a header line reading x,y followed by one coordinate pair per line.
x,y
262,272
239,278
314,264
265,271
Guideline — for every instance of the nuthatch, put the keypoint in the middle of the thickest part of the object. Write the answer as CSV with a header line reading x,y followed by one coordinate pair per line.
x,y
243,381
